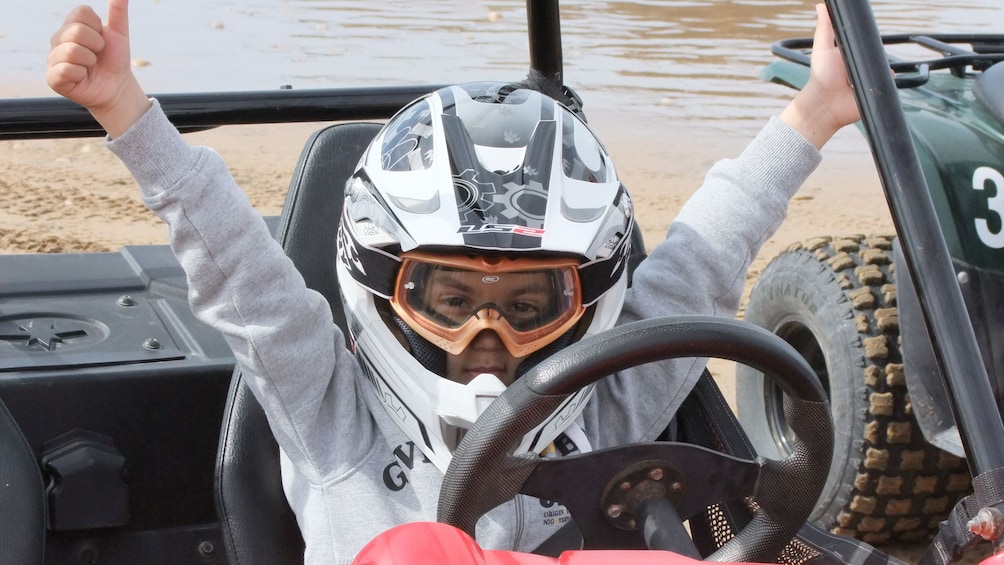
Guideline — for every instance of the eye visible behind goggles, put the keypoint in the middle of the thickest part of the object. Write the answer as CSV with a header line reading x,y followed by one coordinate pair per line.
x,y
450,299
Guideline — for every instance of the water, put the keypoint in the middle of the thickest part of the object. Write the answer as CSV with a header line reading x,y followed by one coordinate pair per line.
x,y
692,62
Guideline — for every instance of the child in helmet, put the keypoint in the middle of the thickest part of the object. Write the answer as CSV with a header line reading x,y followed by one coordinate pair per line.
x,y
484,228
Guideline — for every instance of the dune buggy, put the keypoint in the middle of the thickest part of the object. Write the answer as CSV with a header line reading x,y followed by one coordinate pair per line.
x,y
127,436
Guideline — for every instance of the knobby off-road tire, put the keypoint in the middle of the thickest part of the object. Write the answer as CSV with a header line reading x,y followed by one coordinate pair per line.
x,y
834,300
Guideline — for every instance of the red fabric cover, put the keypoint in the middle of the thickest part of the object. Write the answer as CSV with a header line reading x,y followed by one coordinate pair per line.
x,y
431,543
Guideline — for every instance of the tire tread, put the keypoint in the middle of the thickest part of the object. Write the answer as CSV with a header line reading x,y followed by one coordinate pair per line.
x,y
898,487
904,485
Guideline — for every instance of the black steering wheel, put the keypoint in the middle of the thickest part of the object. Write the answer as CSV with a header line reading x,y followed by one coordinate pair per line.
x,y
614,493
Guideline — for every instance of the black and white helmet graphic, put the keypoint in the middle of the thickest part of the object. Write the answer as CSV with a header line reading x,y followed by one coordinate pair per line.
x,y
476,169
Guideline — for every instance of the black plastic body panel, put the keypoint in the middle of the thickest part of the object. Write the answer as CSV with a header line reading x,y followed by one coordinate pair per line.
x,y
106,342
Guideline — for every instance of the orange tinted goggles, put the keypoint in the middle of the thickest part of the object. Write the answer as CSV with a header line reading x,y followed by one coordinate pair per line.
x,y
450,299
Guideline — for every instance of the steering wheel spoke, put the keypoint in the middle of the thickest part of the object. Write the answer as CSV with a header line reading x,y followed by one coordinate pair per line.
x,y
624,480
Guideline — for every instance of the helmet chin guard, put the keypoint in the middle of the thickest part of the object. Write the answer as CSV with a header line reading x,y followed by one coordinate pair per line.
x,y
476,169
467,403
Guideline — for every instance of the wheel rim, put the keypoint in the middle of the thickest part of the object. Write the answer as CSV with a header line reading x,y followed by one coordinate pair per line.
x,y
804,341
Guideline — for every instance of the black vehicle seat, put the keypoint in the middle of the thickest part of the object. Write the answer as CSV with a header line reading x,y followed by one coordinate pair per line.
x,y
22,497
257,522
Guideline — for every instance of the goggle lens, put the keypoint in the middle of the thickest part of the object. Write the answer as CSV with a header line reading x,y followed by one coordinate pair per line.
x,y
525,301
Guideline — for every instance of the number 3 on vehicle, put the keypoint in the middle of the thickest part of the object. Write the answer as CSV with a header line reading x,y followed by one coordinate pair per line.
x,y
990,238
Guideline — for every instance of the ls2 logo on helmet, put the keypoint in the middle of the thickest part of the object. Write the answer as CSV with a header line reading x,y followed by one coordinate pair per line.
x,y
502,228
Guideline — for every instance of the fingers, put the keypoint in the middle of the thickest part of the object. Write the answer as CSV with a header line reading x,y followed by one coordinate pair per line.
x,y
824,37
118,16
69,61
79,40
76,25
75,48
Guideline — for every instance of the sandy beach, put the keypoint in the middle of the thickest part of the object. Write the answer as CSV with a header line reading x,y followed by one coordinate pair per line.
x,y
73,195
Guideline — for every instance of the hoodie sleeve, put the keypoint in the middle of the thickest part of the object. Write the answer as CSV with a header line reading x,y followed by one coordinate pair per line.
x,y
700,268
242,283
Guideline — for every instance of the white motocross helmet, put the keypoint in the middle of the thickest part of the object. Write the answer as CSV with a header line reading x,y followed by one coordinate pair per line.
x,y
481,170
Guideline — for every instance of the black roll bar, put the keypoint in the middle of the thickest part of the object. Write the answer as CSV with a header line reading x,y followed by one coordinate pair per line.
x,y
544,27
38,118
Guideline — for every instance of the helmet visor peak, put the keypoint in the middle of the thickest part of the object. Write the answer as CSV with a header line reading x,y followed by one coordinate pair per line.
x,y
450,299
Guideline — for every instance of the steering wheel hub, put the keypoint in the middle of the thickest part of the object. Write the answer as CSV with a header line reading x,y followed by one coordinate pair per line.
x,y
639,483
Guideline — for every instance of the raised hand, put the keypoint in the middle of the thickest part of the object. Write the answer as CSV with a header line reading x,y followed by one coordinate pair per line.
x,y
826,103
89,63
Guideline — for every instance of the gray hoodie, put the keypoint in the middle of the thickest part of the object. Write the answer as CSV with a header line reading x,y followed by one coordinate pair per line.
x,y
348,471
